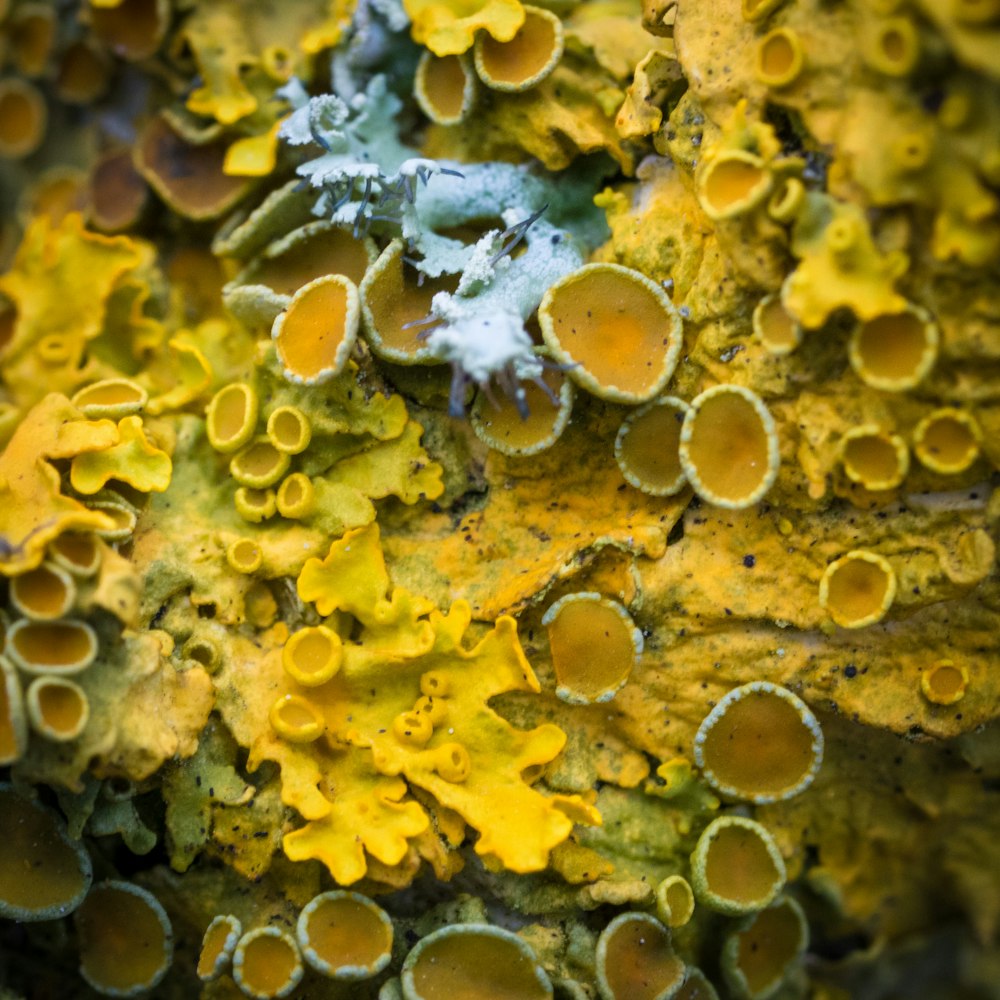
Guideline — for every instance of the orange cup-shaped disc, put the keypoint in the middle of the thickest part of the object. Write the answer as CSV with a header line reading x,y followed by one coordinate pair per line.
x,y
289,430
445,87
13,726
126,941
117,192
396,305
729,447
296,719
894,351
527,59
84,72
731,183
189,177
245,556
873,458
947,440
779,58
892,46
616,329
945,682
77,552
259,464
758,956
475,962
231,418
296,496
217,946
58,708
760,742
57,648
312,655
267,963
636,960
132,29
23,117
858,589
594,644
674,901
316,333
647,447
736,867
44,874
44,593
310,252
777,330
345,936
501,425
110,398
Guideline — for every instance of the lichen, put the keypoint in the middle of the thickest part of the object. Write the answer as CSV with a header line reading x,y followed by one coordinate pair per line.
x,y
283,614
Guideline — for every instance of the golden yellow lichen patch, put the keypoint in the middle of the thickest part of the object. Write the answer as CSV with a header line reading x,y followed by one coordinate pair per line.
x,y
569,503
60,284
448,27
35,510
839,265
407,707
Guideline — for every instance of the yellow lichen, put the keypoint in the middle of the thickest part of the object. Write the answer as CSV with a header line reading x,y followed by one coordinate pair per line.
x,y
412,658
133,459
448,27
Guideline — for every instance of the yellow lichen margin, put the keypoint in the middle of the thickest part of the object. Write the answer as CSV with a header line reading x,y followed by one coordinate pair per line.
x,y
33,511
134,460
448,27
